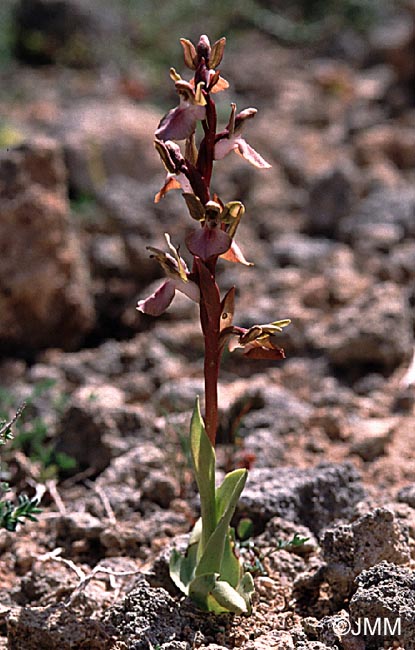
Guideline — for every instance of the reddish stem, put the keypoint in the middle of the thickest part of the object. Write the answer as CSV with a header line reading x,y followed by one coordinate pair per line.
x,y
210,312
210,138
210,308
211,372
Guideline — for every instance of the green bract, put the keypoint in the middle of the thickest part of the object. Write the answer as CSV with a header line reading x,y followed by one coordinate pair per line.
x,y
210,572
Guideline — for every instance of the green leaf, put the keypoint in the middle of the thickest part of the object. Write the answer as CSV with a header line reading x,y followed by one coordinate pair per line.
x,y
225,491
245,529
200,588
229,598
11,515
246,588
203,457
228,496
182,567
295,542
196,533
231,568
216,596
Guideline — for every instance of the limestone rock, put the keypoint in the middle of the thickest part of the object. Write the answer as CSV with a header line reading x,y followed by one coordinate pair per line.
x,y
386,592
45,291
386,207
371,437
350,548
55,627
84,423
359,334
314,497
332,196
146,615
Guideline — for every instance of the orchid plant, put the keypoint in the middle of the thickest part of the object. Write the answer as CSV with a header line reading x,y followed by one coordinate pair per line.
x,y
210,572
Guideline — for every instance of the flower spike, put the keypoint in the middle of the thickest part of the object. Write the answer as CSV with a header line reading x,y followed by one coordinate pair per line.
x,y
211,572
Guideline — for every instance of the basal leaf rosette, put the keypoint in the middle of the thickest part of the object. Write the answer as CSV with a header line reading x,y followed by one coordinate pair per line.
x,y
210,572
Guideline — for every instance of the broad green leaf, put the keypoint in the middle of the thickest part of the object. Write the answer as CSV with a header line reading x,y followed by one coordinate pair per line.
x,y
182,567
230,569
225,491
203,457
200,588
216,596
211,559
229,598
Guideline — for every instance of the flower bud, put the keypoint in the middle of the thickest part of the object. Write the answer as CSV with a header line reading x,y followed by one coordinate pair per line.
x,y
203,48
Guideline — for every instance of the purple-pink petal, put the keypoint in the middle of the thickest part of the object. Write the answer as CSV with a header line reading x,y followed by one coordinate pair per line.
x,y
180,122
207,242
223,147
234,254
246,151
157,303
190,289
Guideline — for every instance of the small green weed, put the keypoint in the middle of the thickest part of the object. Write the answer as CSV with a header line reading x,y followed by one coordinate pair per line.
x,y
295,542
252,556
12,514
32,431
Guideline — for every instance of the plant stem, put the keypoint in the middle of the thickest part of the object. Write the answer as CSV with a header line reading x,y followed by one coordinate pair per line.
x,y
210,308
211,372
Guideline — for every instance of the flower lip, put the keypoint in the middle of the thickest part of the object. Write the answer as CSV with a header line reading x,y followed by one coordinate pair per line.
x,y
180,122
157,303
208,242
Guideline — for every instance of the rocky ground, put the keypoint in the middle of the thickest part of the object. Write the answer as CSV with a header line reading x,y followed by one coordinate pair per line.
x,y
328,434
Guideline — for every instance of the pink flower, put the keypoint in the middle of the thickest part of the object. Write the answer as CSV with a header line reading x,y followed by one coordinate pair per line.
x,y
257,341
231,139
220,223
181,172
178,280
210,240
180,122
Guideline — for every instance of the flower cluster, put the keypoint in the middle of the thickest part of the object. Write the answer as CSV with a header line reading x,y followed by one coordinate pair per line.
x,y
190,171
